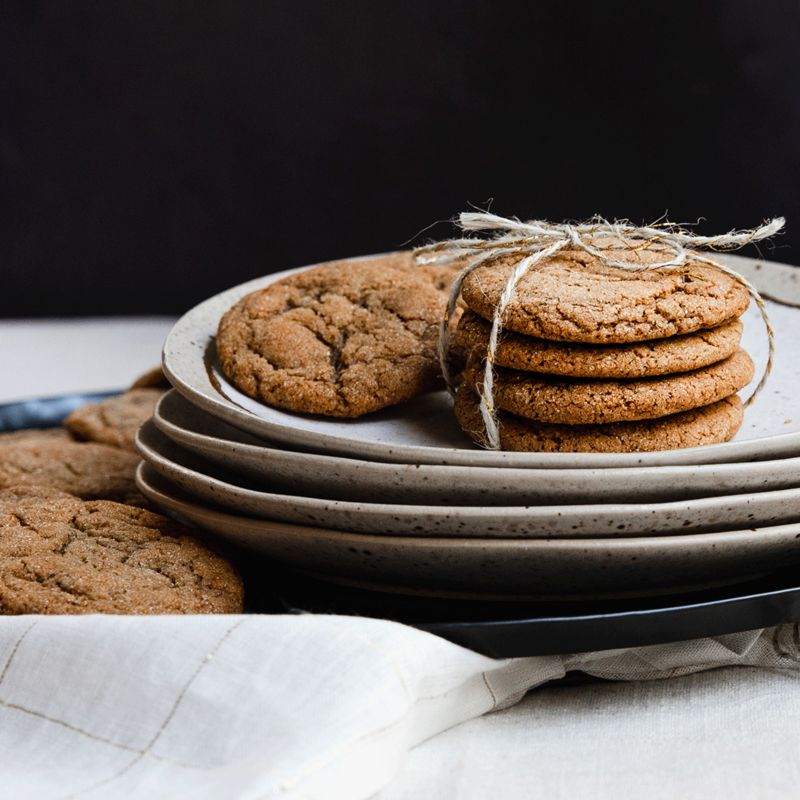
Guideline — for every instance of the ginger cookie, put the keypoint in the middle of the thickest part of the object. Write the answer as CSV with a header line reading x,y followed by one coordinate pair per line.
x,y
114,421
27,435
342,340
574,298
85,469
63,555
710,424
587,402
638,360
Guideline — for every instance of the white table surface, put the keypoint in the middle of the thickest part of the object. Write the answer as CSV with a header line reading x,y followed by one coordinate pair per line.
x,y
47,357
730,732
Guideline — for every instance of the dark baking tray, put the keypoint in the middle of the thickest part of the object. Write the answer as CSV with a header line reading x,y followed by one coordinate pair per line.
x,y
497,628
505,630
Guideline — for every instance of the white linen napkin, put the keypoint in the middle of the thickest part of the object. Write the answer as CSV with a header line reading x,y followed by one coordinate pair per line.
x,y
308,706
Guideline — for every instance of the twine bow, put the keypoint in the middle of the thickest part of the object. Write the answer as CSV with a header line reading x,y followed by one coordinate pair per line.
x,y
535,241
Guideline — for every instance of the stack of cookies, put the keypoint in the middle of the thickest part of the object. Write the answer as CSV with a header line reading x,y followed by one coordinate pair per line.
x,y
76,536
596,358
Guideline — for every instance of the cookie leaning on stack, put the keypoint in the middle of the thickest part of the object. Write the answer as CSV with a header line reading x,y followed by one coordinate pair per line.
x,y
599,358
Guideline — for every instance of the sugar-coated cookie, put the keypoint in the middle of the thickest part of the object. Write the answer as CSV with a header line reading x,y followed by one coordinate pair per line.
x,y
114,421
86,469
588,402
637,360
711,424
342,340
573,297
63,555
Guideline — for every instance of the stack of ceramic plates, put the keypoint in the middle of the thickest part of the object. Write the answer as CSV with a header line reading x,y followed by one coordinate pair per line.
x,y
402,501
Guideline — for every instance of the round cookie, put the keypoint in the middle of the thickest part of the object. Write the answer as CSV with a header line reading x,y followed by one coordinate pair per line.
x,y
572,297
641,359
85,469
116,420
27,435
582,402
712,424
63,555
343,340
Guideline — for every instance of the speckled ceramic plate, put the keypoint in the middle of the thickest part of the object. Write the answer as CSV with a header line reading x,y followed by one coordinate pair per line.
x,y
425,432
498,567
199,479
334,477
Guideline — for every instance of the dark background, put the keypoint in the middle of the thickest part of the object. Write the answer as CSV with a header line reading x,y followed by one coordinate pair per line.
x,y
155,152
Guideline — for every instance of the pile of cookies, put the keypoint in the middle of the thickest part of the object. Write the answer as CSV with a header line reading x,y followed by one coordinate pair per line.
x,y
76,536
92,456
599,358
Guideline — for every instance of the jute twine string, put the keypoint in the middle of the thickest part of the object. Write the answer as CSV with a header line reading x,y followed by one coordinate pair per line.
x,y
535,241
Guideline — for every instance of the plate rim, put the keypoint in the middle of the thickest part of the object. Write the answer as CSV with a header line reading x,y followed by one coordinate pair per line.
x,y
264,449
438,544
546,515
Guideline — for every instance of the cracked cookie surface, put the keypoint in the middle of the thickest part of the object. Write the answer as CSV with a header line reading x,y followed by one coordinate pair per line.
x,y
583,402
342,340
711,424
63,555
640,359
114,421
85,469
27,435
572,297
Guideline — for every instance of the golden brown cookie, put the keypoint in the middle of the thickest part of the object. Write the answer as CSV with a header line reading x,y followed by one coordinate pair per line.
x,y
342,340
638,360
711,424
585,402
85,469
572,297
63,555
114,421
35,435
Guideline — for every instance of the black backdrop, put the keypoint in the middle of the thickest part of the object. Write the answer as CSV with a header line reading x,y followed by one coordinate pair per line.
x,y
157,151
